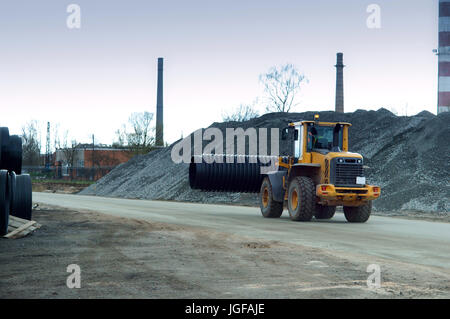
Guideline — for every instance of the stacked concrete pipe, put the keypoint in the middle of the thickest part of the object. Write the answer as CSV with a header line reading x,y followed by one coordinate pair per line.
x,y
15,187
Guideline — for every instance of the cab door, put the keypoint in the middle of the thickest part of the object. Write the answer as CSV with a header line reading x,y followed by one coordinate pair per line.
x,y
298,137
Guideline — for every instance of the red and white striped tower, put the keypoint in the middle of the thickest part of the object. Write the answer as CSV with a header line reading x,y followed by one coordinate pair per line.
x,y
444,57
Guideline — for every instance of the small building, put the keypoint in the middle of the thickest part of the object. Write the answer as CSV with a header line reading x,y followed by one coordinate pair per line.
x,y
88,162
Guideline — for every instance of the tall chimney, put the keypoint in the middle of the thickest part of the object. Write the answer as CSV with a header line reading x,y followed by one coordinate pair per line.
x,y
340,83
444,57
159,106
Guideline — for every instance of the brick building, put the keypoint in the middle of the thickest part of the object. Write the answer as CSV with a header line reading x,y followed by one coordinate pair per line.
x,y
87,162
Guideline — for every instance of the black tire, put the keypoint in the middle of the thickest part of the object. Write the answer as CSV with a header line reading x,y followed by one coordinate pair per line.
x,y
269,207
5,196
324,212
14,161
12,178
358,214
23,197
4,142
301,199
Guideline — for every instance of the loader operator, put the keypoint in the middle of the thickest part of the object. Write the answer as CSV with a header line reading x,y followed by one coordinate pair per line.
x,y
315,137
320,137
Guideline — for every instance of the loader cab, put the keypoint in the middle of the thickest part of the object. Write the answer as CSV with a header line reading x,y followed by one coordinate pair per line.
x,y
315,136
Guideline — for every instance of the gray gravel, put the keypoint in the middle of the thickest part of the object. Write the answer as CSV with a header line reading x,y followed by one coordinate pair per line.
x,y
408,157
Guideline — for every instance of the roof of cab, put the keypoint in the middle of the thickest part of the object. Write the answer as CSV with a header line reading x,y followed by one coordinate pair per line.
x,y
320,123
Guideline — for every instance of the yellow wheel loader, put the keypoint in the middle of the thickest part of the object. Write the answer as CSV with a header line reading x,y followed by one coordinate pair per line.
x,y
321,175
318,175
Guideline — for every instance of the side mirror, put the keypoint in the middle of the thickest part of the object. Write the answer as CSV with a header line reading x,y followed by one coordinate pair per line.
x,y
284,133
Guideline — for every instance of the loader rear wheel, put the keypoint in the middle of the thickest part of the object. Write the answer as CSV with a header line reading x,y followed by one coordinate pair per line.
x,y
324,212
269,207
301,199
358,214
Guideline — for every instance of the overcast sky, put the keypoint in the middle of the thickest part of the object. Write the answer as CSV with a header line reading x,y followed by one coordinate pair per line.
x,y
90,79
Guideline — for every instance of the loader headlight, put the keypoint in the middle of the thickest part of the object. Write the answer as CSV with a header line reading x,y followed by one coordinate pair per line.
x,y
359,161
340,160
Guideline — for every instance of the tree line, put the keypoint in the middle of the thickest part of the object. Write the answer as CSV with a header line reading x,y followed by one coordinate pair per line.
x,y
135,137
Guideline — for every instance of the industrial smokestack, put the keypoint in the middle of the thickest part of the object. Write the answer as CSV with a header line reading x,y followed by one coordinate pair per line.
x,y
340,83
444,57
159,141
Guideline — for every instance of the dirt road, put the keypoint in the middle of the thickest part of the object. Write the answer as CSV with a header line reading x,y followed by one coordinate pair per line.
x,y
150,249
420,242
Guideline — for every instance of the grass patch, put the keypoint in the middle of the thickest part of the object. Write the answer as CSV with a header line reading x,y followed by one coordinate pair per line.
x,y
61,181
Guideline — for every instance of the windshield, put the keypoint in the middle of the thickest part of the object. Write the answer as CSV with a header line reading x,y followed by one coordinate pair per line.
x,y
324,137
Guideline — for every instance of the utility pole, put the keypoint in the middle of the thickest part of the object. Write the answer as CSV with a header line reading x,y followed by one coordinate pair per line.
x,y
93,148
47,148
93,158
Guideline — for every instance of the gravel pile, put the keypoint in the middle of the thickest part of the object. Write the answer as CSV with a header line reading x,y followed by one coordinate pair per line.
x,y
408,157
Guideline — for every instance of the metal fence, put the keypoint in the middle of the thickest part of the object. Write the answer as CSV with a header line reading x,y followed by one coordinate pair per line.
x,y
66,172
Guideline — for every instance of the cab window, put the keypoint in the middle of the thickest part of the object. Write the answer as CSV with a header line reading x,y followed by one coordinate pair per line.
x,y
324,137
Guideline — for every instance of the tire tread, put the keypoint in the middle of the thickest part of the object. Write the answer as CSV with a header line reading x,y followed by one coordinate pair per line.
x,y
358,214
274,208
307,199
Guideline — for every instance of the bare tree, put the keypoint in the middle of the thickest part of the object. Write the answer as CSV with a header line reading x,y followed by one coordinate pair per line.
x,y
244,112
141,130
69,152
121,137
31,145
56,138
140,137
281,85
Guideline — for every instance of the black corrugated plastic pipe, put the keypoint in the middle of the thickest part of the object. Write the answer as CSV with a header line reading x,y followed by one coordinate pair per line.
x,y
213,173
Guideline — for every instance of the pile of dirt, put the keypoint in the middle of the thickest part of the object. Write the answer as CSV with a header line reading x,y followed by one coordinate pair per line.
x,y
408,157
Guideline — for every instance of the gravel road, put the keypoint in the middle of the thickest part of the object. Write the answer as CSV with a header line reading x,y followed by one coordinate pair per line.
x,y
421,242
156,249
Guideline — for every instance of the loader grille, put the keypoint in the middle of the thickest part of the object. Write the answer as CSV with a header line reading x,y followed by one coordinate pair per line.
x,y
345,174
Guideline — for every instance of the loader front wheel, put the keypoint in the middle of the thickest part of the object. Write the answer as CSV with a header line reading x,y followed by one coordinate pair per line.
x,y
301,199
324,212
358,214
269,207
